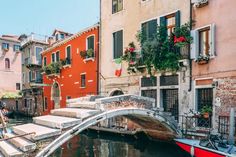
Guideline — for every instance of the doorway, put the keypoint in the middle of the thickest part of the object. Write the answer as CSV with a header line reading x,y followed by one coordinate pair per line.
x,y
56,95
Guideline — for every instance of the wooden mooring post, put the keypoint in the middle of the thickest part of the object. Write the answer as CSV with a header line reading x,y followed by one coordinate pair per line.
x,y
231,127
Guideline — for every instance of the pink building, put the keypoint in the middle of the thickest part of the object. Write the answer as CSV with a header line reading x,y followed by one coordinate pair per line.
x,y
213,52
10,67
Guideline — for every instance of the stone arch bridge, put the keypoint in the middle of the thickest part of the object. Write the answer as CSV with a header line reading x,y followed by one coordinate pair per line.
x,y
47,133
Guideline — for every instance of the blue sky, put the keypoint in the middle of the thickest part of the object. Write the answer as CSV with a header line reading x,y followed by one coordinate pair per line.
x,y
43,16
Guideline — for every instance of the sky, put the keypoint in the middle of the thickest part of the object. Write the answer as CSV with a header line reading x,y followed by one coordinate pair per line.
x,y
43,16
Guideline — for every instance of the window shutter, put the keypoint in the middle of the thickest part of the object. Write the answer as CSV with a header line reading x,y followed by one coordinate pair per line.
x,y
144,32
177,19
152,28
213,34
195,44
120,43
163,24
30,76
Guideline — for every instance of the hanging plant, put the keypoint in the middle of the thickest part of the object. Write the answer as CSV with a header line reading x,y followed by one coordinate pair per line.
x,y
83,54
160,53
133,58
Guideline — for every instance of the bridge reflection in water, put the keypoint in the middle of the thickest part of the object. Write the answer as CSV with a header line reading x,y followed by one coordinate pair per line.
x,y
103,145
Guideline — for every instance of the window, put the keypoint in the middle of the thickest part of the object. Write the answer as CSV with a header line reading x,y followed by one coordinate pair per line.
x,y
117,44
45,103
5,46
29,52
57,37
57,56
16,48
62,36
149,29
203,42
68,97
17,86
148,81
53,57
44,61
83,80
25,103
38,54
117,5
32,76
7,63
90,42
68,54
170,22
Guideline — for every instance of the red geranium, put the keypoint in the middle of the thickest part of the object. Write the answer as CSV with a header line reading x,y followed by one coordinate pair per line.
x,y
180,39
131,49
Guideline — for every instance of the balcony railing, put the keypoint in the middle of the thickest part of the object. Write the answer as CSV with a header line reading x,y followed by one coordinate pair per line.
x,y
36,38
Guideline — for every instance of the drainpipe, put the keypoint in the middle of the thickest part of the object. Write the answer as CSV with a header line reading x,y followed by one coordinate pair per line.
x,y
99,53
189,49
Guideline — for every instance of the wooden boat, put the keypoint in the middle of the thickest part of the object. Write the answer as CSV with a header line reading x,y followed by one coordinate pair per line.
x,y
207,148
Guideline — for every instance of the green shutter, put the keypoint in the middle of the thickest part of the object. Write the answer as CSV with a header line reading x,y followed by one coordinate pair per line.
x,y
152,28
144,32
119,44
30,76
91,42
68,52
177,19
163,30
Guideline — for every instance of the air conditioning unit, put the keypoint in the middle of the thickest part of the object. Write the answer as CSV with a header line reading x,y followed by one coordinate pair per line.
x,y
199,3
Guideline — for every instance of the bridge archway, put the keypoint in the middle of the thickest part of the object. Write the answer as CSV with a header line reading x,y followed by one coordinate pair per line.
x,y
138,113
116,92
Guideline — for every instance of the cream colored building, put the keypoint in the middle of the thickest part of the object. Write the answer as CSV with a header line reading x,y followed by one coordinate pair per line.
x,y
121,20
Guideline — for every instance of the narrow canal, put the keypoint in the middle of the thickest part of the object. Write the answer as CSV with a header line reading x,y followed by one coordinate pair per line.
x,y
91,144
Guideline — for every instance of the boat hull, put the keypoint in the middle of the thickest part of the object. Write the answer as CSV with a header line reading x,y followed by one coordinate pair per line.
x,y
200,151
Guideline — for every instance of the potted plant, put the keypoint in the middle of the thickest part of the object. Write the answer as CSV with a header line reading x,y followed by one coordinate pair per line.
x,y
90,53
203,59
83,54
206,111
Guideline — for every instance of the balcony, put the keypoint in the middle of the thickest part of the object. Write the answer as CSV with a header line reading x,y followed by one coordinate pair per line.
x,y
35,38
38,82
33,63
66,62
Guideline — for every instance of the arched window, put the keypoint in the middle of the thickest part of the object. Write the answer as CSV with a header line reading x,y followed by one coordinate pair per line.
x,y
7,63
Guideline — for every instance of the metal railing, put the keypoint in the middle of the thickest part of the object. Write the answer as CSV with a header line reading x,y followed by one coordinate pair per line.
x,y
224,125
195,125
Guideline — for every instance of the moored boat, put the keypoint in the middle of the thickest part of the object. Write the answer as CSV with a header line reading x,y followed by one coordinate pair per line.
x,y
207,148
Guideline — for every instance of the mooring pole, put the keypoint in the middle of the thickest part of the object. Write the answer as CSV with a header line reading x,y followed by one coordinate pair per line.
x,y
231,127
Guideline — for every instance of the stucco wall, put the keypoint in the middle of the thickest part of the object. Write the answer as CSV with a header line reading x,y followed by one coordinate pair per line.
x,y
70,77
222,14
9,77
129,20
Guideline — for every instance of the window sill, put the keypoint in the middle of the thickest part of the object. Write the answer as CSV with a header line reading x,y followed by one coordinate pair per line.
x,y
89,59
82,87
118,12
66,66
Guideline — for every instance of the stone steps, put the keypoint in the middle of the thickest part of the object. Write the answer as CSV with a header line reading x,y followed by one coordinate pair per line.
x,y
41,132
74,112
83,104
21,143
9,150
56,121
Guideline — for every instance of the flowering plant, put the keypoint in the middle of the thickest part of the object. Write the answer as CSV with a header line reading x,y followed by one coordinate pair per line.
x,y
132,57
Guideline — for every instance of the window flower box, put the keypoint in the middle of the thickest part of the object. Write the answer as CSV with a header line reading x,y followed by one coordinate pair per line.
x,y
203,59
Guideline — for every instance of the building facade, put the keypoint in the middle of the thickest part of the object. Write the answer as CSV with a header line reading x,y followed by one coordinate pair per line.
x,y
10,70
32,91
120,22
70,68
214,67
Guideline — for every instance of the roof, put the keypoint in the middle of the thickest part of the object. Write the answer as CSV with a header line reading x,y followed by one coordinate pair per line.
x,y
61,31
12,38
71,38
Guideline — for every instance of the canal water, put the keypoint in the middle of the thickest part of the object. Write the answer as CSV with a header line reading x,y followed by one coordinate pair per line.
x,y
91,144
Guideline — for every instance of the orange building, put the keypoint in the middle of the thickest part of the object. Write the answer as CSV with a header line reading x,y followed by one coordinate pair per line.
x,y
70,67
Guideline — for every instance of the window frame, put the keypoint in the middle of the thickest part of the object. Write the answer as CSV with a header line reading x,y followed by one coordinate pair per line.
x,y
70,51
116,11
83,84
7,46
7,64
44,61
57,53
208,30
53,57
38,59
18,86
14,48
113,45
45,101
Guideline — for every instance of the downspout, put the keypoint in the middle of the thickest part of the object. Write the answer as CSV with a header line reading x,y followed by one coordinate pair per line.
x,y
189,49
99,53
